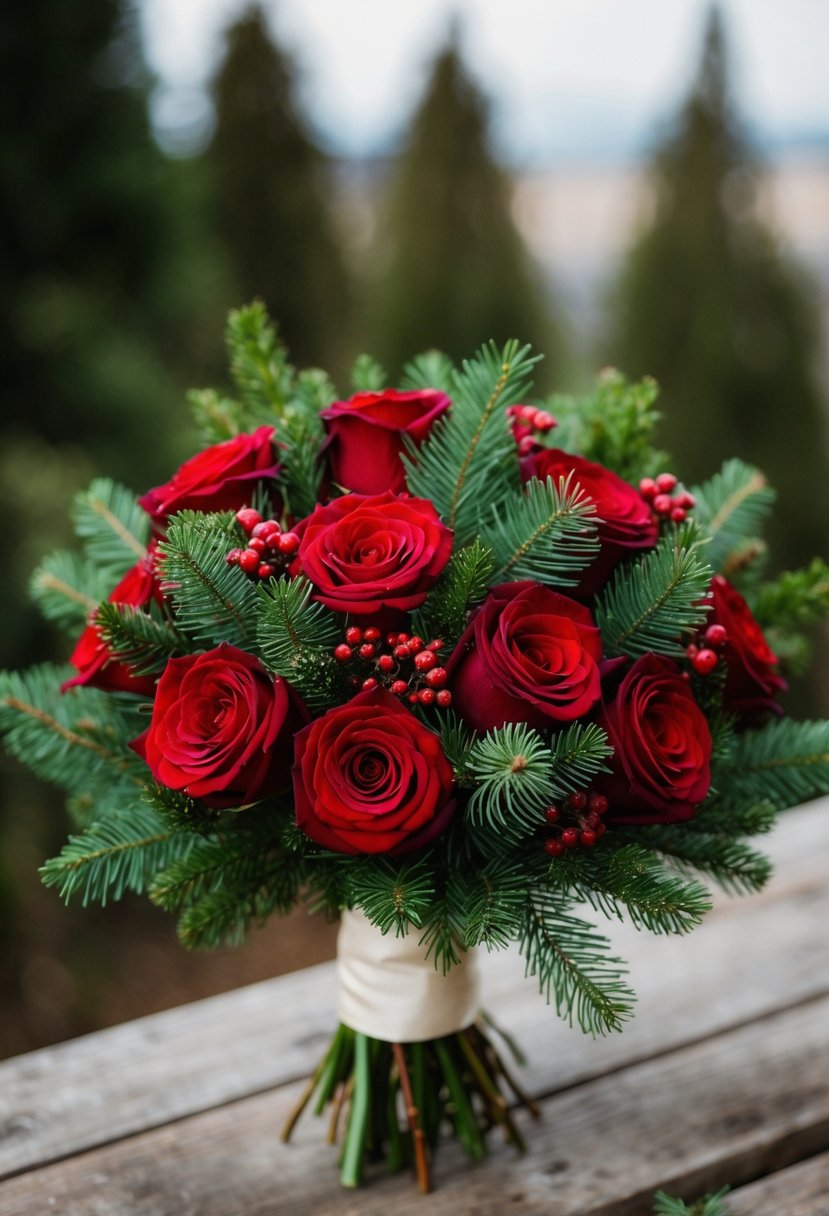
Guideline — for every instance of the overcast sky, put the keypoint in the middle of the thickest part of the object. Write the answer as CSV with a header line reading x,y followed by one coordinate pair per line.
x,y
567,78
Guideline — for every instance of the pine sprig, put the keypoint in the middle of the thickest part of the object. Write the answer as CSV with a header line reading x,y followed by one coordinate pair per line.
x,y
112,526
469,457
732,865
393,895
511,768
258,363
143,640
783,764
795,599
494,902
652,603
367,375
727,818
578,755
118,854
573,967
545,532
67,588
213,602
431,369
708,1205
296,636
444,926
224,917
612,425
732,507
217,417
461,586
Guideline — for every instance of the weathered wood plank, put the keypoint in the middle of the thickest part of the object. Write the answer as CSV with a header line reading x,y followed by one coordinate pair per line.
x,y
801,1190
749,956
749,1101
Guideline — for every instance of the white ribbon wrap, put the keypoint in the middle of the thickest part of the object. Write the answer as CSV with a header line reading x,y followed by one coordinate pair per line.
x,y
388,989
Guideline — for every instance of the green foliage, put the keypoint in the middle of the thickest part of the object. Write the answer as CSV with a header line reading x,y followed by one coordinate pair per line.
x,y
144,640
494,902
468,458
213,602
258,364
367,375
112,526
511,768
296,636
651,603
731,508
578,755
431,369
787,606
709,1205
783,764
120,853
68,587
456,739
444,926
393,895
734,866
613,425
545,532
462,584
724,818
217,417
572,965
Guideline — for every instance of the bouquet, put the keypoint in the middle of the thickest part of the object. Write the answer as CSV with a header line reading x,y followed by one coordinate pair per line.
x,y
450,665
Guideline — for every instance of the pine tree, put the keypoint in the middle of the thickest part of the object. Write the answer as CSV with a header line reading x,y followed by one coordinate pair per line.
x,y
709,305
272,198
458,273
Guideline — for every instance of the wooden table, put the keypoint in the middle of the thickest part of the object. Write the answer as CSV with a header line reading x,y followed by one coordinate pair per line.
x,y
722,1077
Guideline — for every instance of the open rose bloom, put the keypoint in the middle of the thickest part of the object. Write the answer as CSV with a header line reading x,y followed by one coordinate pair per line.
x,y
421,657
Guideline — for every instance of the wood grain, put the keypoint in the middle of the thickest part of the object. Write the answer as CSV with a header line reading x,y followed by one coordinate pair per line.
x,y
801,1190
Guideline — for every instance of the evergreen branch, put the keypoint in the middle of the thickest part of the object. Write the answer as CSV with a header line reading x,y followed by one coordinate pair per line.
x,y
432,369
545,532
213,602
68,588
732,865
571,963
652,603
783,764
731,508
118,854
462,584
456,740
727,818
613,425
494,900
393,895
217,417
367,375
223,917
300,467
444,927
795,599
145,641
511,768
578,754
708,1205
258,364
296,636
112,526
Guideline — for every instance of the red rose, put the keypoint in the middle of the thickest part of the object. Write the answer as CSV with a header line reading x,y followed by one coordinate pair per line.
x,y
370,778
364,554
662,746
221,478
529,655
221,728
625,523
752,680
91,656
365,436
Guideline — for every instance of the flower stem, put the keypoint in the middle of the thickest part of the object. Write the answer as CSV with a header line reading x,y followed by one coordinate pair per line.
x,y
424,1181
351,1170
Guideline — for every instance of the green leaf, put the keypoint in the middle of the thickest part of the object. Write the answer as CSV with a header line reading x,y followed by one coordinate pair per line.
x,y
545,532
796,598
731,508
112,526
709,1205
432,369
731,864
511,767
213,602
367,375
393,895
145,640
783,764
68,588
613,425
578,755
296,636
462,584
217,417
258,364
494,900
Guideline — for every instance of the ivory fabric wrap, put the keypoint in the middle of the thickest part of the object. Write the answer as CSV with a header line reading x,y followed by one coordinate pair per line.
x,y
388,989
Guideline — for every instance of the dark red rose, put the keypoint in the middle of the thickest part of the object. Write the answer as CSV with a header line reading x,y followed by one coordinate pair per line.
x,y
625,518
753,680
662,746
91,656
529,655
221,728
221,478
370,778
365,436
368,553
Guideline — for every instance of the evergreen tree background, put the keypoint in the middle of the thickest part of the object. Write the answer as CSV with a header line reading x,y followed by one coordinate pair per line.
x,y
709,305
272,194
456,270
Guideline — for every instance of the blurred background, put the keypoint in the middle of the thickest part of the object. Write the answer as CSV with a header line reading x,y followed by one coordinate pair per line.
x,y
640,184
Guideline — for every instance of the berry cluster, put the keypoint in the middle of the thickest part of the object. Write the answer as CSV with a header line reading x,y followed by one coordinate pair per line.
x,y
268,550
665,504
401,662
703,653
577,821
531,417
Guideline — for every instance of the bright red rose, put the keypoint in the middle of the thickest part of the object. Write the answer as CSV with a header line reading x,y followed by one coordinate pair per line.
x,y
221,478
91,656
753,680
370,778
366,434
529,655
625,522
662,746
221,728
368,553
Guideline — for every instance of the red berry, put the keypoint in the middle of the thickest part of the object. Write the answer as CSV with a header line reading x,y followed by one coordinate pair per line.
x,y
247,519
551,814
435,644
266,570
386,663
569,838
526,445
366,651
399,687
233,556
425,660
597,804
415,644
402,651
353,635
577,801
426,696
287,542
249,561
258,544
647,488
544,421
436,678
601,828
412,698
691,650
444,698
665,483
372,634
553,846
402,638
715,635
704,661
587,838
663,504
368,684
268,527
392,639
592,820
678,515
686,500
342,653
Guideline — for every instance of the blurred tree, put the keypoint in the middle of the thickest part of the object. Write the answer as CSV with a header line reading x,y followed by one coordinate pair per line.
x,y
272,199
458,273
709,305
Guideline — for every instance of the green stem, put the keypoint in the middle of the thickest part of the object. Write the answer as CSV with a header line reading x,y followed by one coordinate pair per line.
x,y
466,1124
351,1170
